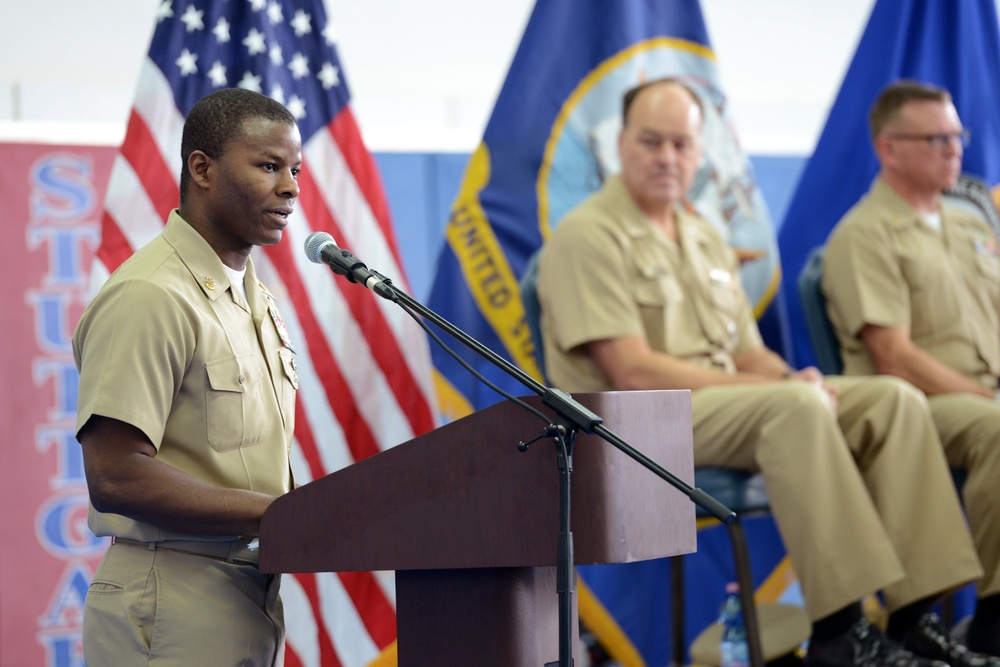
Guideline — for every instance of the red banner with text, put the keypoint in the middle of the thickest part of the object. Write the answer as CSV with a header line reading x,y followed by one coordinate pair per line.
x,y
52,201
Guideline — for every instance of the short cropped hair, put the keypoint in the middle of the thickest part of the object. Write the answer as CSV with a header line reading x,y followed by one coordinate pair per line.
x,y
633,93
891,100
219,117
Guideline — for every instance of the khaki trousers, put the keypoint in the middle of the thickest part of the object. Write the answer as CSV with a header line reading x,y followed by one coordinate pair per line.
x,y
969,428
863,498
166,608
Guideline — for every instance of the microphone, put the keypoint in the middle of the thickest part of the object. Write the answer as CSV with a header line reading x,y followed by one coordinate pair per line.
x,y
322,249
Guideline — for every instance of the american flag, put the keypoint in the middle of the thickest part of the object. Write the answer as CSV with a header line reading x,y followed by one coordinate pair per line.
x,y
365,382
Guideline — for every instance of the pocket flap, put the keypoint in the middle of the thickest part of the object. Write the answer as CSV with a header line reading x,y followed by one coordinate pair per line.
x,y
228,375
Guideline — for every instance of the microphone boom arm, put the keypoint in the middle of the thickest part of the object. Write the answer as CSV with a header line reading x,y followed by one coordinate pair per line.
x,y
571,418
564,405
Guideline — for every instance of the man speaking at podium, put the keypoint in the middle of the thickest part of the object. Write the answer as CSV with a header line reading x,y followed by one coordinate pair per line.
x,y
186,406
638,292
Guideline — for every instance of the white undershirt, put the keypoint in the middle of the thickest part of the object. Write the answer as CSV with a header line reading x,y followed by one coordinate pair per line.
x,y
236,278
933,219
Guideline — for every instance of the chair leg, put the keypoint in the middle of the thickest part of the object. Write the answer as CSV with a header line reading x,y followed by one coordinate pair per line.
x,y
741,558
677,609
948,610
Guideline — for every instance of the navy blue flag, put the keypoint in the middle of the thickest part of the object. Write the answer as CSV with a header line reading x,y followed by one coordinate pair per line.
x,y
550,142
951,44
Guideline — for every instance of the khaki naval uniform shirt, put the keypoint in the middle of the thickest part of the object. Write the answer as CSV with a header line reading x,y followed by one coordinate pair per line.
x,y
885,265
609,273
168,346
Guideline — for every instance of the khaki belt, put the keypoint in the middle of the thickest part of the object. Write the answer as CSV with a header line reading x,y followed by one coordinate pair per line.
x,y
232,551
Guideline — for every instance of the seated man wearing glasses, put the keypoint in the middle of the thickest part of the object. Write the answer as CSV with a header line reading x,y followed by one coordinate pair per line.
x,y
913,290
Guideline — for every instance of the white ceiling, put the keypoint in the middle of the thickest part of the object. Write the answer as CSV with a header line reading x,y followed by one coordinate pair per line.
x,y
68,67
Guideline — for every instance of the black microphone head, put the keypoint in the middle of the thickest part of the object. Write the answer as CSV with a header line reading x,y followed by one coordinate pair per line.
x,y
315,243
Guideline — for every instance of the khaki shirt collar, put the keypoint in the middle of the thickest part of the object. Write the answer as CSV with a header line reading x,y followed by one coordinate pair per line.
x,y
898,210
200,258
691,232
635,223
903,216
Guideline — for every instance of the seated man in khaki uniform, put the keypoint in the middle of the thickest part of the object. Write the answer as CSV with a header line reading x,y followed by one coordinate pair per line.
x,y
638,292
913,289
187,403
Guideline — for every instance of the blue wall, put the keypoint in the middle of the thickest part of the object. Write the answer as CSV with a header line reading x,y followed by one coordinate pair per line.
x,y
421,186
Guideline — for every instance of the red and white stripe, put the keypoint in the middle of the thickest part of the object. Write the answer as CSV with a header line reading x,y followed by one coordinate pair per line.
x,y
364,369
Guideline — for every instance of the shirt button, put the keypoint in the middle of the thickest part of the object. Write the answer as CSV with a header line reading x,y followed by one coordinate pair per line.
x,y
241,379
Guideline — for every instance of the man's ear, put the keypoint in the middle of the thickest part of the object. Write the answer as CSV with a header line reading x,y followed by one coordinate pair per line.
x,y
200,167
884,149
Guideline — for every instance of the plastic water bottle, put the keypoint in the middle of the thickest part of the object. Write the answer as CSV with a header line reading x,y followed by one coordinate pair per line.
x,y
733,651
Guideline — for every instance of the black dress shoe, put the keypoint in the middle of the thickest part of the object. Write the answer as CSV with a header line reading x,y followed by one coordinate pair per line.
x,y
930,639
863,646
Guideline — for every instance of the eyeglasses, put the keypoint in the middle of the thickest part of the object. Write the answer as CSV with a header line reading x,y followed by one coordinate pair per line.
x,y
938,141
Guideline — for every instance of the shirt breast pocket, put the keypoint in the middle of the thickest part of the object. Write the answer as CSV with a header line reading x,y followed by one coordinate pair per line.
x,y
725,293
917,271
986,280
651,298
235,409
721,309
988,267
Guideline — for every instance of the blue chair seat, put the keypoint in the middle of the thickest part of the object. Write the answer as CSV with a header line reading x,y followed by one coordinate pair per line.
x,y
739,490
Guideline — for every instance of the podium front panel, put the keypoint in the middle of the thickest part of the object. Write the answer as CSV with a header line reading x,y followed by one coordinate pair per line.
x,y
464,496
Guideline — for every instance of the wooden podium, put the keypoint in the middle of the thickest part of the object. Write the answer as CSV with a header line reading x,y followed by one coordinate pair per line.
x,y
470,524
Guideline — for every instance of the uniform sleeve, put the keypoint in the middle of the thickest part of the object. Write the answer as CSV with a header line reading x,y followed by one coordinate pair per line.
x,y
132,348
862,280
583,287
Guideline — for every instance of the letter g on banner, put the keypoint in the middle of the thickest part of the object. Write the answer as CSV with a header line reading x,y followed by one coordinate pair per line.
x,y
61,528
